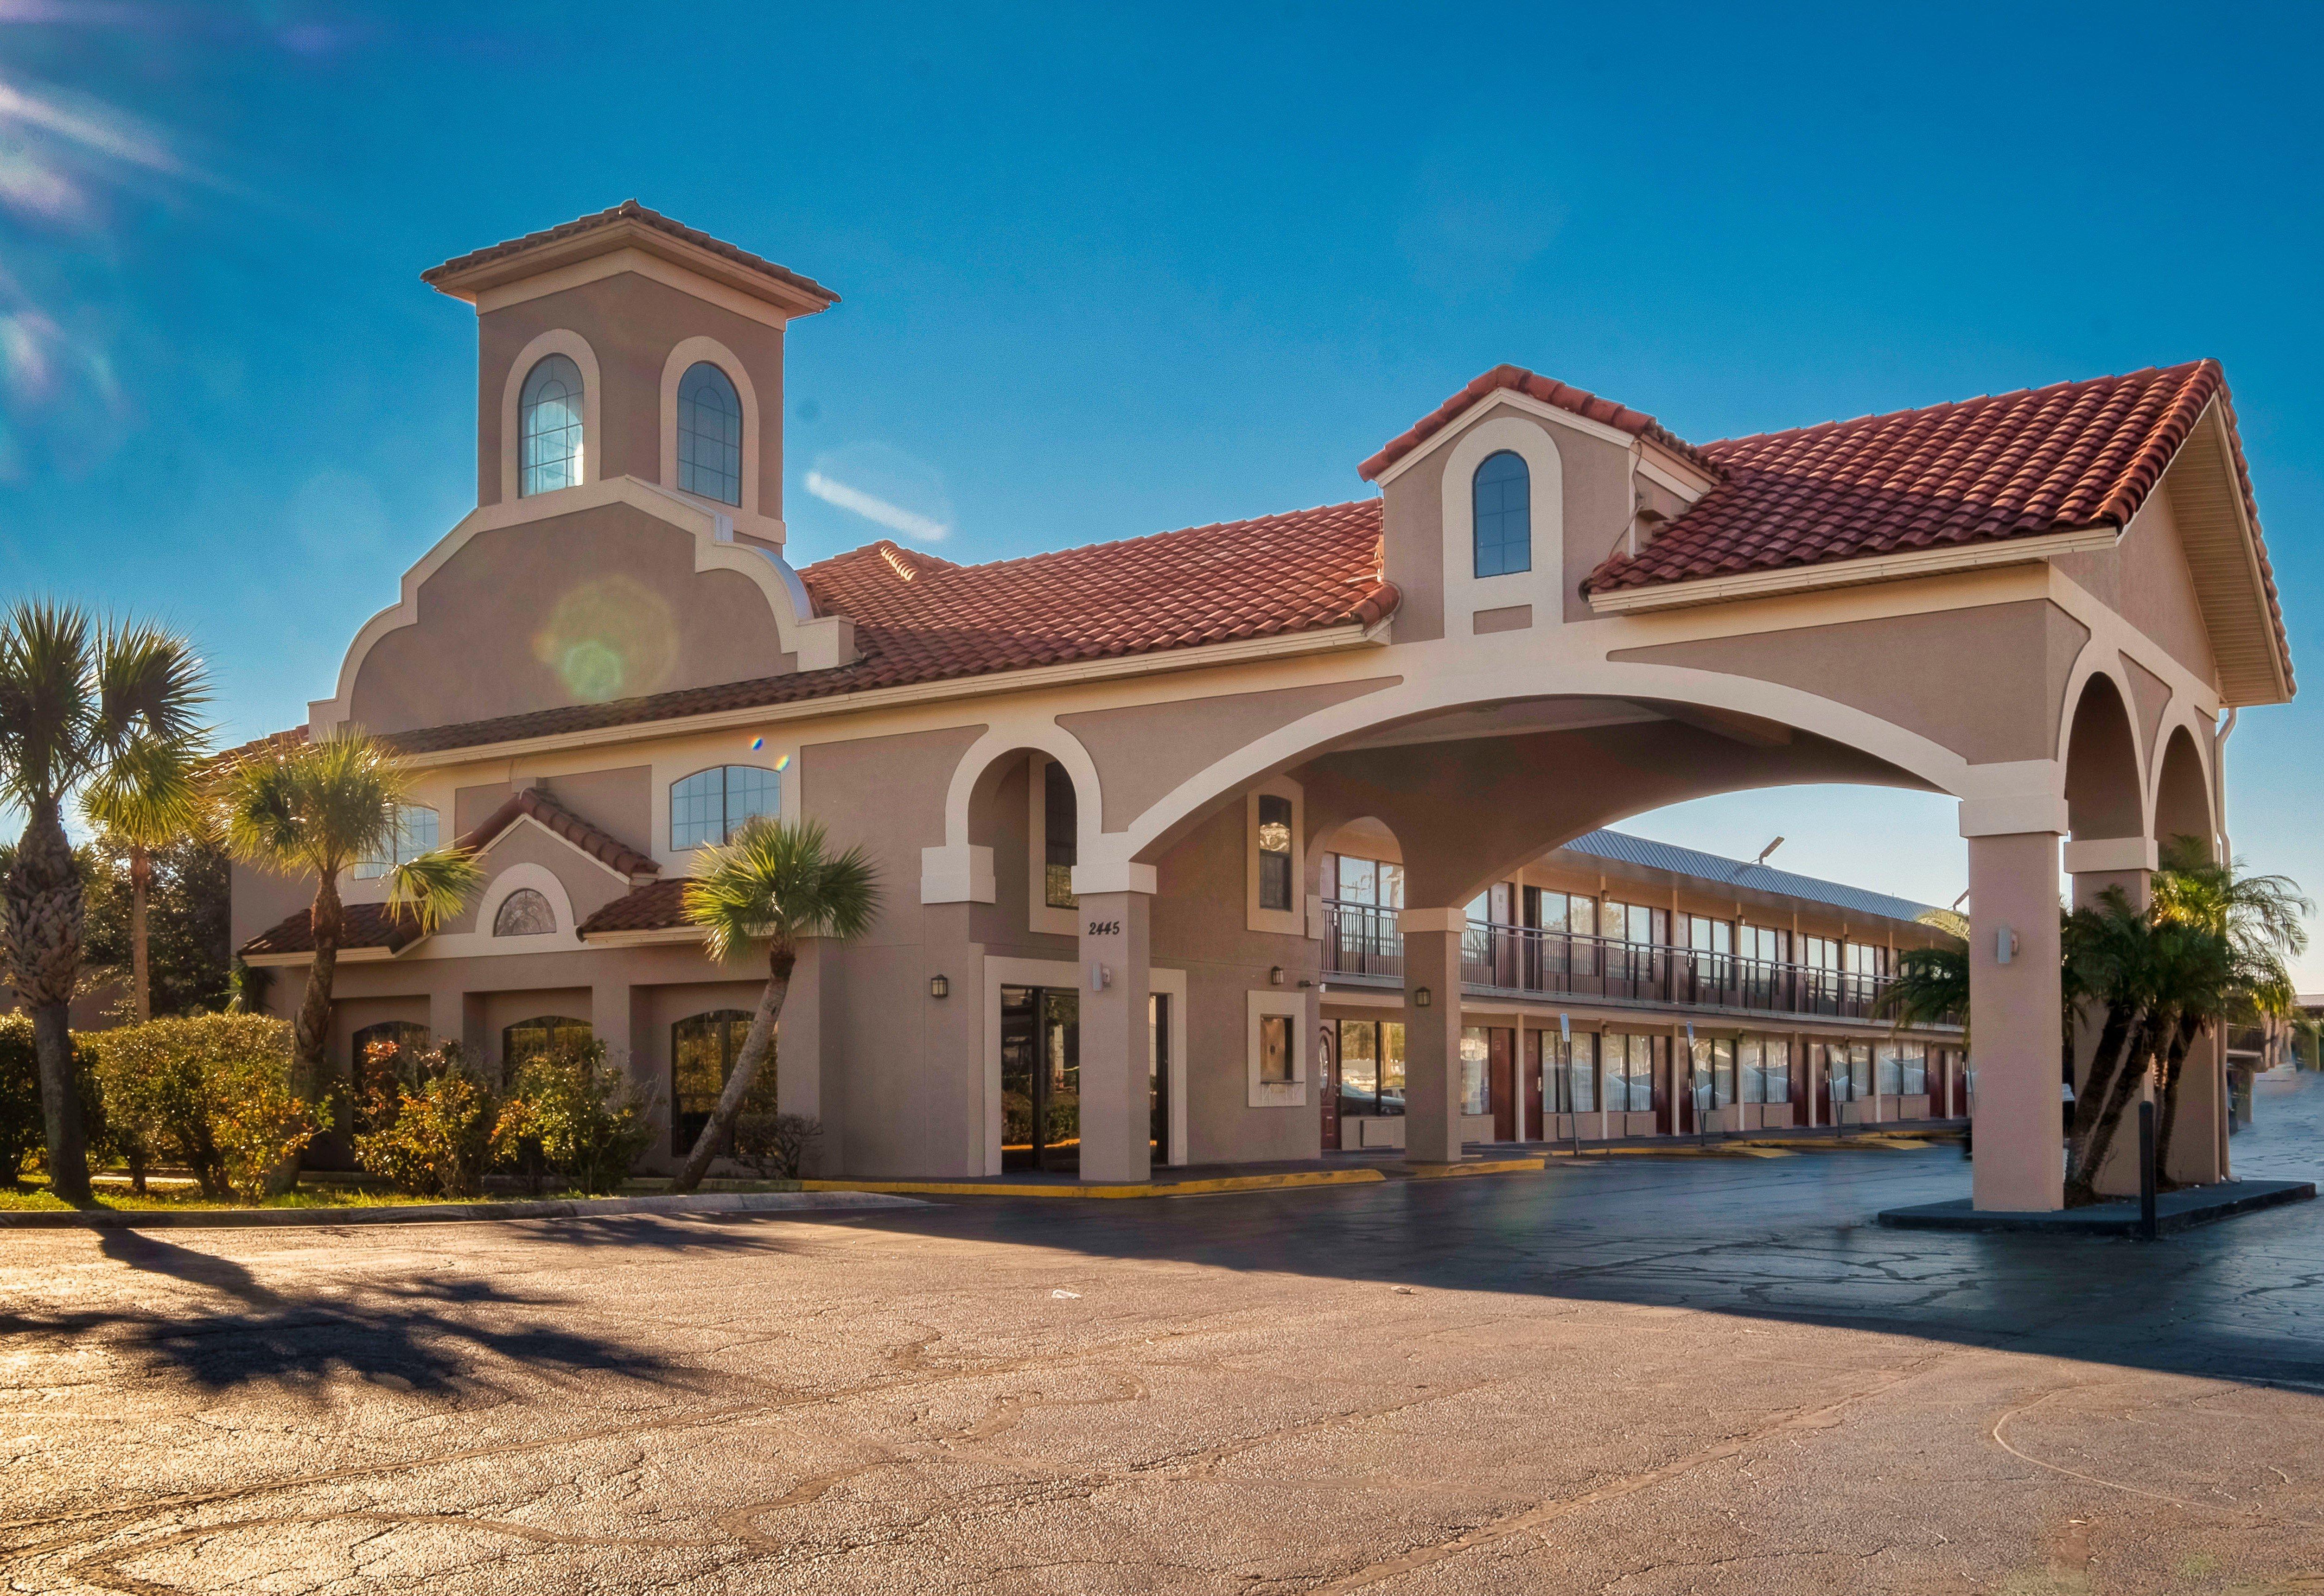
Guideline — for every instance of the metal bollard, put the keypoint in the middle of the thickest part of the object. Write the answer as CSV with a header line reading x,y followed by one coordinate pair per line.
x,y
2147,1229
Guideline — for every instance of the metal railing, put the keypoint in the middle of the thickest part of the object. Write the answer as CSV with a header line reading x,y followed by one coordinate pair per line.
x,y
1362,940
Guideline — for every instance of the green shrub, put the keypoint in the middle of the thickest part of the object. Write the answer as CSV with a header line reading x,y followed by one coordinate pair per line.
x,y
20,1127
213,1089
432,1123
580,1113
773,1146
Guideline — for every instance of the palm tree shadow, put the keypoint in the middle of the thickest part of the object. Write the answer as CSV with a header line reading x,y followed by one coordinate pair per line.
x,y
441,1335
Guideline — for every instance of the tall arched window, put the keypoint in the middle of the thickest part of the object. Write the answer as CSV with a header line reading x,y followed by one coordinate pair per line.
x,y
709,434
1503,501
703,1049
707,807
548,427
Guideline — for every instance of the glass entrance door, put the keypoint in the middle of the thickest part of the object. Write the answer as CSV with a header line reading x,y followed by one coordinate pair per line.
x,y
1040,1078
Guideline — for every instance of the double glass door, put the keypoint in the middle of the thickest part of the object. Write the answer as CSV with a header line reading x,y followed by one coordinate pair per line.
x,y
1041,1077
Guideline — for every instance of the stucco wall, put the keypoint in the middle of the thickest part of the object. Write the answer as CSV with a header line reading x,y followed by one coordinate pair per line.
x,y
632,324
2144,578
1989,683
598,605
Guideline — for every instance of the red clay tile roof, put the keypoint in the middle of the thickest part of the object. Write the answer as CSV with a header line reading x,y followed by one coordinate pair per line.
x,y
629,210
361,925
2074,455
272,742
601,845
660,906
1549,390
1272,576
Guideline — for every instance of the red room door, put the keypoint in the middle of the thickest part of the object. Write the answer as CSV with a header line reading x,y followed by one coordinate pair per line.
x,y
1327,1085
1503,1064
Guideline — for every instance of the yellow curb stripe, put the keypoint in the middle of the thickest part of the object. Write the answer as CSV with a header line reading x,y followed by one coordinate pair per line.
x,y
1174,1188
1487,1166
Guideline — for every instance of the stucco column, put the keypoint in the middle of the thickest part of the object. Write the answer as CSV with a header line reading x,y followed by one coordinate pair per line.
x,y
1432,1035
2199,1140
2015,1006
1115,1042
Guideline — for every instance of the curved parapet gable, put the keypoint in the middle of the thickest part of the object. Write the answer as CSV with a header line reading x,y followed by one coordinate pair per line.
x,y
609,590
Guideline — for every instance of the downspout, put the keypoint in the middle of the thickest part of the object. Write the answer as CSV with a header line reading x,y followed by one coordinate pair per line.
x,y
2219,781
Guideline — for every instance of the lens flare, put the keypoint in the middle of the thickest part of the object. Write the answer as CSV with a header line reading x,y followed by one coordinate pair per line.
x,y
613,638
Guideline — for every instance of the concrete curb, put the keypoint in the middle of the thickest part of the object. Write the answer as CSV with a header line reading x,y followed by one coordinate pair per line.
x,y
158,1219
2173,1210
1158,1189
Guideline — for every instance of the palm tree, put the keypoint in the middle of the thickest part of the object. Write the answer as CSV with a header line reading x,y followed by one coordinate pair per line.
x,y
318,808
83,701
776,882
148,801
1931,987
2261,919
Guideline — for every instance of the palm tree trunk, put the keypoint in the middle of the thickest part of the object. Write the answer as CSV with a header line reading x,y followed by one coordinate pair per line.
x,y
311,1036
2167,1118
44,929
781,961
2082,1185
140,885
2106,1064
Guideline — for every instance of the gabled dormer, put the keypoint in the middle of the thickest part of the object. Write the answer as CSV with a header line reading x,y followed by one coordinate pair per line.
x,y
625,343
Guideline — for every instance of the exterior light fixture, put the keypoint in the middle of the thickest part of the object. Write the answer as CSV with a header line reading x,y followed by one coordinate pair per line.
x,y
1275,976
1422,997
939,987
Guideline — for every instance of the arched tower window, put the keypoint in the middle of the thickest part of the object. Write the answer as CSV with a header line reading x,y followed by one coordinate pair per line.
x,y
709,434
1503,501
548,427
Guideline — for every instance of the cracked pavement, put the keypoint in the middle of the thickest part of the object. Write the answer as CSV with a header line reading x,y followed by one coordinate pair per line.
x,y
1637,1376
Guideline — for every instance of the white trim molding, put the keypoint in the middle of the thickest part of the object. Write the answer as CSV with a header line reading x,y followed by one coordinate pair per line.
x,y
1277,1005
1852,573
556,341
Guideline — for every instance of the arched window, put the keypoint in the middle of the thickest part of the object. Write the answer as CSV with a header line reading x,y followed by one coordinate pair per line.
x,y
524,912
709,434
703,1049
548,427
707,807
528,1039
385,1054
1503,497
415,833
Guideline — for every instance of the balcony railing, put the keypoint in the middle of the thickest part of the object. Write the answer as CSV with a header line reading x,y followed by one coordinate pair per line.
x,y
1362,940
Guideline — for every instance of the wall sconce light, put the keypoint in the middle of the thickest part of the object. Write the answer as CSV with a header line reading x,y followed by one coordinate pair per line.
x,y
1422,997
1275,976
938,987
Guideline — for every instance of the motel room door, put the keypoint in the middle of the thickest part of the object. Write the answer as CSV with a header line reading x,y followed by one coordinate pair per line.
x,y
1327,1085
1040,1078
1501,1059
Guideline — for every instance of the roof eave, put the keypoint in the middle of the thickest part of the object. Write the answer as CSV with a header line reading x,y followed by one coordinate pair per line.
x,y
1853,573
795,295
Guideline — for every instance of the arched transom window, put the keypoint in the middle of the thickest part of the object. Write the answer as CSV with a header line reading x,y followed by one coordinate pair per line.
x,y
1503,491
709,434
525,912
707,807
548,427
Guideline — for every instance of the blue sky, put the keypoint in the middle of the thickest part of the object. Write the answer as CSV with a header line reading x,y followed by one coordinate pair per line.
x,y
1108,270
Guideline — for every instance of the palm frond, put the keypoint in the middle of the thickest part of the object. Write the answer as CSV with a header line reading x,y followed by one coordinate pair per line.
x,y
148,683
776,881
46,708
319,806
432,888
148,795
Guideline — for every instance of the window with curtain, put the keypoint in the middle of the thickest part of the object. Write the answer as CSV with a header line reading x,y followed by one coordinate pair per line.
x,y
1274,1050
1913,1069
1503,501
703,1049
709,434
1629,1072
1476,1073
1060,835
708,807
1887,1069
548,427
1580,1061
1273,852
415,833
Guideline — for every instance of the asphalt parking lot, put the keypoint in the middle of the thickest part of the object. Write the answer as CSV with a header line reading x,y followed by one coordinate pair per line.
x,y
1637,1376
